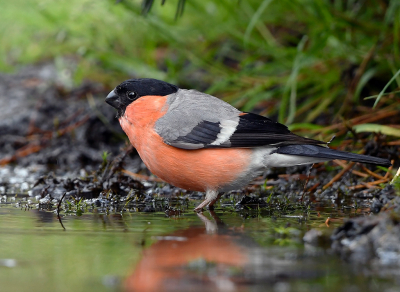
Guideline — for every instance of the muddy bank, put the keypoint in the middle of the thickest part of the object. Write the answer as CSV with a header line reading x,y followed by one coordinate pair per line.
x,y
45,123
49,127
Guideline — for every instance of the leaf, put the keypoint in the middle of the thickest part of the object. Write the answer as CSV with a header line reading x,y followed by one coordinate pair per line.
x,y
302,126
377,129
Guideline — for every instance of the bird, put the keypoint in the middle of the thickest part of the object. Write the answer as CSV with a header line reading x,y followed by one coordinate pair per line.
x,y
198,142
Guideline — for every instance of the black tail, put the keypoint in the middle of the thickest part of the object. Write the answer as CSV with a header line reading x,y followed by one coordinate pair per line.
x,y
330,154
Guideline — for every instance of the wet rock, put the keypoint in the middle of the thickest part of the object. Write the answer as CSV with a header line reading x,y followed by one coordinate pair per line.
x,y
376,206
366,238
148,198
392,206
316,237
382,197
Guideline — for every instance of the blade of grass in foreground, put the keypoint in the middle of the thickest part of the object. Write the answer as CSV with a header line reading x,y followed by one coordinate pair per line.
x,y
291,86
386,86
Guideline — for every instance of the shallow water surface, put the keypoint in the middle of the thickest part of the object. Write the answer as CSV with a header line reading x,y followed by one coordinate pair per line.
x,y
213,251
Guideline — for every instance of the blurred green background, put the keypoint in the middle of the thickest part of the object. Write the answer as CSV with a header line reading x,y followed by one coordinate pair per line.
x,y
296,60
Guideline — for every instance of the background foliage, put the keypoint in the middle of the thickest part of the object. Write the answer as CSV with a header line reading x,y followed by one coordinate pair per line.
x,y
297,60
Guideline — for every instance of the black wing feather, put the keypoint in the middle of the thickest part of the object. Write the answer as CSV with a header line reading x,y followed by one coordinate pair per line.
x,y
253,123
255,130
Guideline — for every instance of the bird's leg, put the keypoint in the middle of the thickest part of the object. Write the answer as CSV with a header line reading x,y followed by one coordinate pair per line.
x,y
211,197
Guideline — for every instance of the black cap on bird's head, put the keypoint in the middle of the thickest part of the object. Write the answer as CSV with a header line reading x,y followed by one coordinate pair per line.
x,y
132,89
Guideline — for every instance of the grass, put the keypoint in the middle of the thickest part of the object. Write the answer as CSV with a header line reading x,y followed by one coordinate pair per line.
x,y
299,61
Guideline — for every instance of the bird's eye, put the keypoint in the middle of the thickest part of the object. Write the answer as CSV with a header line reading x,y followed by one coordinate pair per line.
x,y
131,95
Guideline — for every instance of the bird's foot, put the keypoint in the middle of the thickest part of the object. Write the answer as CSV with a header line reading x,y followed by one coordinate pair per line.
x,y
200,207
211,198
206,203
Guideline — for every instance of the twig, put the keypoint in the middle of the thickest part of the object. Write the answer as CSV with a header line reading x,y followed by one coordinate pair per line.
x,y
313,187
70,118
294,176
372,173
339,175
333,220
305,184
392,143
141,176
39,142
327,221
356,172
115,164
369,185
58,211
367,118
389,170
21,152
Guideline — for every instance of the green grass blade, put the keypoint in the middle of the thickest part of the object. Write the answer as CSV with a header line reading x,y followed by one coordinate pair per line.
x,y
254,19
385,94
386,86
375,128
292,81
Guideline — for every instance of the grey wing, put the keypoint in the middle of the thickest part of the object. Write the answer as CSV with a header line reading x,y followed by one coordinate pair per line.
x,y
196,120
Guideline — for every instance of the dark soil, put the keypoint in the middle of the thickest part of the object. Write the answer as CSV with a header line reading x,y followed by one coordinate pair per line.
x,y
56,128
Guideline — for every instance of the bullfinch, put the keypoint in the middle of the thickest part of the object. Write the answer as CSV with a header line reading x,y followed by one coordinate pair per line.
x,y
198,142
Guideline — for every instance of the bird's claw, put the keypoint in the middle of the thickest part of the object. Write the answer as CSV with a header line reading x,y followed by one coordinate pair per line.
x,y
206,204
198,210
200,207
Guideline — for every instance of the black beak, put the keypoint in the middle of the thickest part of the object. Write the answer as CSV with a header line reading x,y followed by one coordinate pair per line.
x,y
112,99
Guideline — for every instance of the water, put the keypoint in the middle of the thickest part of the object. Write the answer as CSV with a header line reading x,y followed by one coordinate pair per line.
x,y
217,251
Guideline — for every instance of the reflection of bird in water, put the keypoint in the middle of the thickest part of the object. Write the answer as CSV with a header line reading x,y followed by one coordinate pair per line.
x,y
194,259
211,225
212,258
